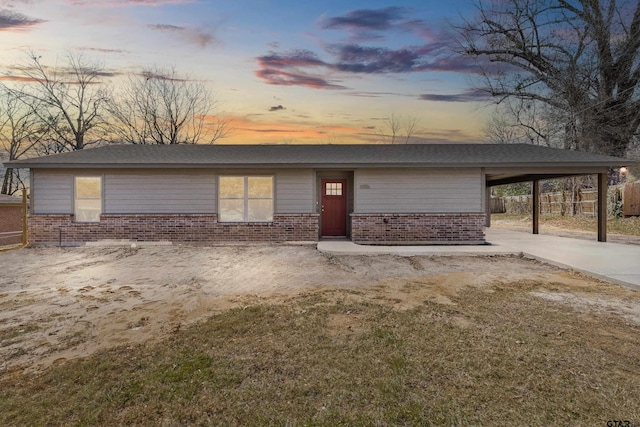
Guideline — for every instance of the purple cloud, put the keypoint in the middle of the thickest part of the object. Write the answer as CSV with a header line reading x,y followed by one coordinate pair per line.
x,y
455,63
284,78
165,27
296,58
371,24
360,59
10,20
277,108
161,75
101,50
285,68
432,52
372,94
469,95
107,73
368,19
190,35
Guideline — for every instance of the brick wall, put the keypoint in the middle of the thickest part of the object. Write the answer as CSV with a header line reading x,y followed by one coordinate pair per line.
x,y
10,220
417,228
55,229
365,228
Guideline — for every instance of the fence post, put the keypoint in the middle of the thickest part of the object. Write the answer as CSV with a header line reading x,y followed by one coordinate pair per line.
x,y
487,201
535,209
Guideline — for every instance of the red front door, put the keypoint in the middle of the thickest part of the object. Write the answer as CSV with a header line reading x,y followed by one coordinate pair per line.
x,y
334,207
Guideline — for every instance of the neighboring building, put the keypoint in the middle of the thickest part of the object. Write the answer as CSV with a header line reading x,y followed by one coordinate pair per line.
x,y
373,194
10,220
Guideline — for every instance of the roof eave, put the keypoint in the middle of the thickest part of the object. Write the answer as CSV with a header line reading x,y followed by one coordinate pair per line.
x,y
173,165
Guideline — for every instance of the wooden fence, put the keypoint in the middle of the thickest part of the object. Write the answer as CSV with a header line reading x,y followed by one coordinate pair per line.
x,y
631,199
12,220
621,201
10,223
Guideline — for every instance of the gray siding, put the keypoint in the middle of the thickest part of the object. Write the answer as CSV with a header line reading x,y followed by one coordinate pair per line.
x,y
52,192
418,190
195,191
160,192
294,191
165,191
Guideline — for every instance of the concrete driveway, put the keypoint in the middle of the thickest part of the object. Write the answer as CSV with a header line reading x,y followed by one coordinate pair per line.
x,y
614,262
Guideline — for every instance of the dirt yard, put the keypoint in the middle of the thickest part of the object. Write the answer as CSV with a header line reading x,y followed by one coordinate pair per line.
x,y
60,304
620,230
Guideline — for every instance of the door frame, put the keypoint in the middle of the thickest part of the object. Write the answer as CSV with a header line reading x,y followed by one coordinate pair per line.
x,y
343,201
337,175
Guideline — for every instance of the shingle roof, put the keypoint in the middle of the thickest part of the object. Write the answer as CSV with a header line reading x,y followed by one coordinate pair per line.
x,y
436,155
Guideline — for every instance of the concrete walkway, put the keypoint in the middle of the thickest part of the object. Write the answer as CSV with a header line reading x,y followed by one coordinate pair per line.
x,y
613,262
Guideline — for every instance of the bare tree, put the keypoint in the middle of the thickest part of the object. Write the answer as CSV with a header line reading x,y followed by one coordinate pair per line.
x,y
580,58
396,127
332,138
500,129
159,106
634,153
524,121
69,102
217,127
391,128
410,127
20,130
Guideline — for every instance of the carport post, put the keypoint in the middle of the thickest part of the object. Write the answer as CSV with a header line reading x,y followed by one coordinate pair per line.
x,y
536,206
602,207
487,206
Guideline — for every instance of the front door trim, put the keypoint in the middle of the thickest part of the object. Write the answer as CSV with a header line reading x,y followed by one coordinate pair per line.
x,y
333,207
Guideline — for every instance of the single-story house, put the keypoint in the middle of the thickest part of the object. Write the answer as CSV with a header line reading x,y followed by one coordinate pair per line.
x,y
371,194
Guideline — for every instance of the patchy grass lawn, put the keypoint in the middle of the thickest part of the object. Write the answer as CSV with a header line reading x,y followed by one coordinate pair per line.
x,y
626,226
496,355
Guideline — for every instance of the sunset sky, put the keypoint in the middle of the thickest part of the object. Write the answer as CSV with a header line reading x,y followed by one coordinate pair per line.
x,y
282,71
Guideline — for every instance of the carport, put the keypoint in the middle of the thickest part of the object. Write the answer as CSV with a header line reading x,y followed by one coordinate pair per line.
x,y
536,173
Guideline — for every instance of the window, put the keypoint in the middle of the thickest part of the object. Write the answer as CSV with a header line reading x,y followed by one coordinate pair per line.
x,y
245,199
88,198
333,189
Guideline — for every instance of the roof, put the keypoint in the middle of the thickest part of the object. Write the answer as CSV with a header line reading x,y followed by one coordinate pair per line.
x,y
326,155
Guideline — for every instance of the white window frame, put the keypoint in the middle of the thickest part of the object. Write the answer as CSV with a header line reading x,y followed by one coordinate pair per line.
x,y
246,198
76,213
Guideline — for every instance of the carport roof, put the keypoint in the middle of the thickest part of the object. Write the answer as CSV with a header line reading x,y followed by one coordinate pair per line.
x,y
326,155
